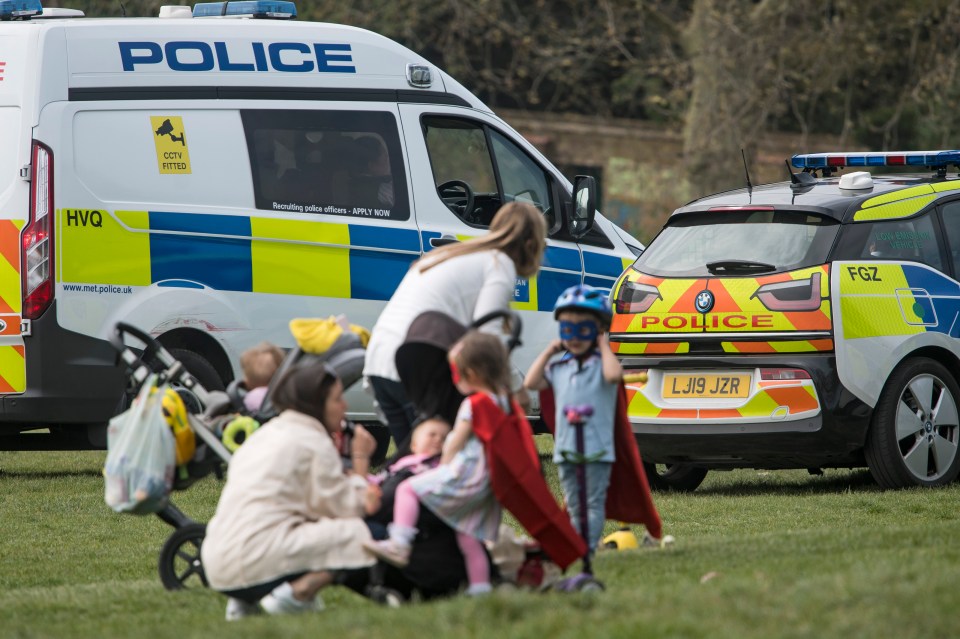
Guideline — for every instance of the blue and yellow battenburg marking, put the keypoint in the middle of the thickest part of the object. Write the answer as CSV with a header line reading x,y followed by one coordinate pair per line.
x,y
282,256
560,269
236,253
885,299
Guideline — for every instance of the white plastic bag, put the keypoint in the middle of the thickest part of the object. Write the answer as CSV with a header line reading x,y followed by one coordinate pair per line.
x,y
141,455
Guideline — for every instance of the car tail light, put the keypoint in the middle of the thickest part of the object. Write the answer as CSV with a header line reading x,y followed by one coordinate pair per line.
x,y
795,295
36,250
783,374
635,298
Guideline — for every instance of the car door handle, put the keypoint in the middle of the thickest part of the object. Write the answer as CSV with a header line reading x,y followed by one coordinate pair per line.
x,y
442,241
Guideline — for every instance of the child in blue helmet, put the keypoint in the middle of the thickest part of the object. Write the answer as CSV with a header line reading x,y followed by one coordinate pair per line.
x,y
583,373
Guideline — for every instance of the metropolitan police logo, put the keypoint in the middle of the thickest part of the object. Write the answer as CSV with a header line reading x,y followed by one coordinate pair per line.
x,y
704,301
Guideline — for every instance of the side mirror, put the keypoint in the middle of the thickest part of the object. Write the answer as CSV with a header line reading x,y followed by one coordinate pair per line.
x,y
584,208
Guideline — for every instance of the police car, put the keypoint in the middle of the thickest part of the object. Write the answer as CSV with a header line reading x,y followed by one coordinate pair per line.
x,y
810,324
209,174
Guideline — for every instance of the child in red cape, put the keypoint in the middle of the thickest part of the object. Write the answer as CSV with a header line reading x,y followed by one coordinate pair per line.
x,y
489,458
583,372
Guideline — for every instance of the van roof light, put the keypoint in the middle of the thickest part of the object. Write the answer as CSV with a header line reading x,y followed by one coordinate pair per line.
x,y
931,159
175,11
59,12
20,9
274,9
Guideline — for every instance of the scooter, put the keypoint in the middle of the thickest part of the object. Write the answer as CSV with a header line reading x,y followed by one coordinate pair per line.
x,y
584,581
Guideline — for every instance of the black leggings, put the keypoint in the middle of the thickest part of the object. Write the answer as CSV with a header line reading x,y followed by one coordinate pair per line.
x,y
253,594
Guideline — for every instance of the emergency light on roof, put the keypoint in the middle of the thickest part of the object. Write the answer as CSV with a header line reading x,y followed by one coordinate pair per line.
x,y
276,9
19,9
932,159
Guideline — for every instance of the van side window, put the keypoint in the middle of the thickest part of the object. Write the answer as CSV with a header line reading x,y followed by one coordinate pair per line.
x,y
523,180
477,169
331,162
905,240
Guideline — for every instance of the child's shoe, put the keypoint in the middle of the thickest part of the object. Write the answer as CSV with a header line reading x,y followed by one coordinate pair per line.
x,y
390,551
238,609
479,590
649,541
282,602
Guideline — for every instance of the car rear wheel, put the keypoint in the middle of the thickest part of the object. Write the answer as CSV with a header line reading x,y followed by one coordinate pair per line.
x,y
916,427
677,477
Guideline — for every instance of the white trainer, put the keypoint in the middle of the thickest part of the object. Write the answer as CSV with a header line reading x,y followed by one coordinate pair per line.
x,y
282,602
649,541
238,609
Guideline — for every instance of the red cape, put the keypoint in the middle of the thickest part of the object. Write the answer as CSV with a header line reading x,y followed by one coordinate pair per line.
x,y
628,498
517,482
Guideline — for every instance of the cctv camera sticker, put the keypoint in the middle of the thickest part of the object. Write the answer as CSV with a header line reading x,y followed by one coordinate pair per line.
x,y
170,139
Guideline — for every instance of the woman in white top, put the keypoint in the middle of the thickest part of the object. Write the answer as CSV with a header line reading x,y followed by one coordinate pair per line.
x,y
466,281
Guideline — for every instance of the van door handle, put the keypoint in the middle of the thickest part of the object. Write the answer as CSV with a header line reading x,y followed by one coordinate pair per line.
x,y
442,241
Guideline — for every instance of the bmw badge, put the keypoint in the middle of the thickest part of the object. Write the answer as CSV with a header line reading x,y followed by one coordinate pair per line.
x,y
704,301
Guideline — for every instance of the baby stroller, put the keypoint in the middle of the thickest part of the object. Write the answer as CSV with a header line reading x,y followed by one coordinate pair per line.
x,y
209,412
334,342
436,565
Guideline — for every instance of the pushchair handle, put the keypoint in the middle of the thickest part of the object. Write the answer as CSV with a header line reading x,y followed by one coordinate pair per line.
x,y
122,328
513,321
154,358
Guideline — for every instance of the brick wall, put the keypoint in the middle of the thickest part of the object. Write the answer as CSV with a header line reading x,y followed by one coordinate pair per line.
x,y
639,165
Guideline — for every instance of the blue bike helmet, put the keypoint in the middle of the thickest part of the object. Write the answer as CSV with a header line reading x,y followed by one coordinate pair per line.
x,y
584,298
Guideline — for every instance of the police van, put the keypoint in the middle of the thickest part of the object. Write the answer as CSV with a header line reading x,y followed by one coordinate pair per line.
x,y
207,179
808,324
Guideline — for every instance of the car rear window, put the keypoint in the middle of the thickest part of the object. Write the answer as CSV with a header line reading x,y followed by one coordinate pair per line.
x,y
785,240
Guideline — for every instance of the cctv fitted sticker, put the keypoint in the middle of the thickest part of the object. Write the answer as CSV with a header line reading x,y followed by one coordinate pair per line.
x,y
170,139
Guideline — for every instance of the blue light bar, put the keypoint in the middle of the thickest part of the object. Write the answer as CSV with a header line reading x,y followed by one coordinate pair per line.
x,y
19,9
276,9
932,159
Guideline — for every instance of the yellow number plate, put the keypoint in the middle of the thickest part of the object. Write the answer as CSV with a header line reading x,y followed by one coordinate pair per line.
x,y
708,385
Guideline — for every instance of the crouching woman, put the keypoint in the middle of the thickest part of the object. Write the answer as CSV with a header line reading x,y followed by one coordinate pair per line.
x,y
289,516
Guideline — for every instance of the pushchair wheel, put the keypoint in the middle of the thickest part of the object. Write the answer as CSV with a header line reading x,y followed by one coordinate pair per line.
x,y
590,585
179,562
583,582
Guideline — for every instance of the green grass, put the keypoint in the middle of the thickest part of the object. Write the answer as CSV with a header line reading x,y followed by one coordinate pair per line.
x,y
758,554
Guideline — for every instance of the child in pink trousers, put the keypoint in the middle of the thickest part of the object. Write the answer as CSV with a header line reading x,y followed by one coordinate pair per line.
x,y
458,490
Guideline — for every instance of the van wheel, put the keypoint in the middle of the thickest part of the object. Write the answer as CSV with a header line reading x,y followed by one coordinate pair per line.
x,y
916,427
200,368
678,477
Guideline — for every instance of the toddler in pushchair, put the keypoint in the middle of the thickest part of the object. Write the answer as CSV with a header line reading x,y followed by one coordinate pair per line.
x,y
220,425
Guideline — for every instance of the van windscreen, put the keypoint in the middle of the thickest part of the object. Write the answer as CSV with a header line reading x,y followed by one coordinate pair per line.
x,y
327,162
